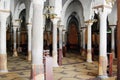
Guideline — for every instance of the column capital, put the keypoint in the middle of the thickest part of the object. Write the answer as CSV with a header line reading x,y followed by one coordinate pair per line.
x,y
15,28
29,26
83,28
38,1
103,9
90,21
112,26
16,22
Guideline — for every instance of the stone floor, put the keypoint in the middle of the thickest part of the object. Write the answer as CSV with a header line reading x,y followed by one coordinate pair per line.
x,y
74,68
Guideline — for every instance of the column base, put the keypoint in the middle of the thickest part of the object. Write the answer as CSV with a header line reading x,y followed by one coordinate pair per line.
x,y
37,72
29,56
113,52
83,52
3,63
55,59
15,54
102,66
103,77
60,56
89,56
64,51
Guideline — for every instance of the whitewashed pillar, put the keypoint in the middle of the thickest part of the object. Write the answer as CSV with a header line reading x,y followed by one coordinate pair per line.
x,y
37,72
103,62
60,37
83,33
15,54
54,51
64,43
4,13
29,27
3,53
113,40
18,33
89,41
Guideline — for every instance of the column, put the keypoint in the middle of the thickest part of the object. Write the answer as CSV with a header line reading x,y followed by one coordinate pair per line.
x,y
15,54
89,52
118,40
64,45
83,33
60,44
60,37
3,53
29,27
37,70
18,33
113,41
54,51
81,40
103,43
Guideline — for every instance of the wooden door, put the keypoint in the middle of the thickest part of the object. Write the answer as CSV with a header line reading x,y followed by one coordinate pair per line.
x,y
72,37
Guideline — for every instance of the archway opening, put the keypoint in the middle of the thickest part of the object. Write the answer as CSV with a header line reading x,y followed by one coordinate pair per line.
x,y
73,35
22,38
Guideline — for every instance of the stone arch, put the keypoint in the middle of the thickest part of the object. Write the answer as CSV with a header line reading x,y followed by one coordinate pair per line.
x,y
19,7
73,37
30,13
65,8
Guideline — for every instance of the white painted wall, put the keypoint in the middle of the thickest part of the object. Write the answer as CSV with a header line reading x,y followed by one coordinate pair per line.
x,y
112,18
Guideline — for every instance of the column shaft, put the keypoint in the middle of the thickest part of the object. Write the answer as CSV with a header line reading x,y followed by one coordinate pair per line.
x,y
29,41
83,44
60,45
14,43
64,45
54,52
103,45
89,52
18,33
113,41
37,41
3,53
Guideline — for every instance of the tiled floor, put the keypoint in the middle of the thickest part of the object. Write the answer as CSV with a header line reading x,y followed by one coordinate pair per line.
x,y
74,68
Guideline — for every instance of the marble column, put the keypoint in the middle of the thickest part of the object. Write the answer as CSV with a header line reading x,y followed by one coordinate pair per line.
x,y
60,44
29,27
60,37
103,62
81,40
3,53
83,43
15,54
64,44
89,45
37,70
113,40
54,51
18,33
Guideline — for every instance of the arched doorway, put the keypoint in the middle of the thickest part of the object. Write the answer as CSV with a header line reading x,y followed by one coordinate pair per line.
x,y
22,33
73,35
